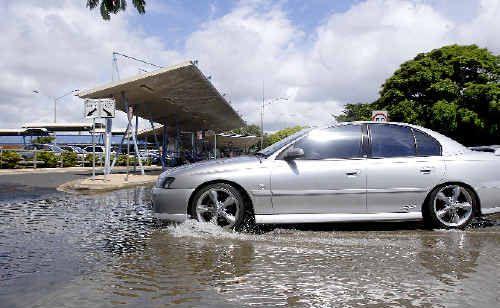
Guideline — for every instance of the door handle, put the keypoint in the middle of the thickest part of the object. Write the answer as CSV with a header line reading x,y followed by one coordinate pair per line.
x,y
353,172
426,170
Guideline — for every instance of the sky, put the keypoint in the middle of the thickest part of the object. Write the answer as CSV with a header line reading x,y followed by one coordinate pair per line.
x,y
319,54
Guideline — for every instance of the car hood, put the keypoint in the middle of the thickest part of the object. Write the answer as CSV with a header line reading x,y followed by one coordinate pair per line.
x,y
216,165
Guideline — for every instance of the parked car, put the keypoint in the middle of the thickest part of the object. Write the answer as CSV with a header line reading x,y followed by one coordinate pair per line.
x,y
99,150
360,171
28,155
80,153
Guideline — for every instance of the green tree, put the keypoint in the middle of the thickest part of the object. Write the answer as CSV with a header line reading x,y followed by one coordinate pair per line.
x,y
281,134
43,139
454,90
251,129
108,7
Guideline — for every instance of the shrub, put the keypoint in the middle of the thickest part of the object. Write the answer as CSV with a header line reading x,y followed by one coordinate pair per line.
x,y
69,159
97,159
122,160
9,159
50,160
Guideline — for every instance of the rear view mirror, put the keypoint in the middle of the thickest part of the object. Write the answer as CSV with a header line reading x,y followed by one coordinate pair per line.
x,y
294,153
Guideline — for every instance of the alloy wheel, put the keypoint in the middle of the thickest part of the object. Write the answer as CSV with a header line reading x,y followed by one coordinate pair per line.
x,y
219,206
453,205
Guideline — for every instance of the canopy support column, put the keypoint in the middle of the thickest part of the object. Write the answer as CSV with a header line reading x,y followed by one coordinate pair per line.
x,y
129,118
157,143
135,133
164,146
215,145
107,167
119,150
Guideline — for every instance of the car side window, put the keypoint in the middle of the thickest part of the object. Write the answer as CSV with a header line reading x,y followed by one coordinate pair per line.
x,y
334,142
426,145
391,141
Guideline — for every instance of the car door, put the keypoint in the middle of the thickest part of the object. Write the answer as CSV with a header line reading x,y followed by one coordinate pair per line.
x,y
329,178
404,165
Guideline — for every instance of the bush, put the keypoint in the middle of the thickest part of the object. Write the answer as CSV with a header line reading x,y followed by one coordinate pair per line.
x,y
122,160
9,159
69,159
97,159
50,160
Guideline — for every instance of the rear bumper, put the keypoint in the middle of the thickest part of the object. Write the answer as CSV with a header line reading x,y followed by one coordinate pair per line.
x,y
171,204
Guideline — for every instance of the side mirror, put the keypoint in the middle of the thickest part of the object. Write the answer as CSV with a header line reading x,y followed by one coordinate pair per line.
x,y
293,153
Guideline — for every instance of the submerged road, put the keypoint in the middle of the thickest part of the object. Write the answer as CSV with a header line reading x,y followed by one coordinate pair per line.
x,y
105,250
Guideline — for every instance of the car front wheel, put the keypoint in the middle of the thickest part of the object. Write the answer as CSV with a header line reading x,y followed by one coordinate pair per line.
x,y
450,206
221,204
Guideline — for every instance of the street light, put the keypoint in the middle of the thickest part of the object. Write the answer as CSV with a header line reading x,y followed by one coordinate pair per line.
x,y
274,100
55,100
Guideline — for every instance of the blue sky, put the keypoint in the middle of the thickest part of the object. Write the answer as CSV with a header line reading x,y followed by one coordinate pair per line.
x,y
319,54
174,20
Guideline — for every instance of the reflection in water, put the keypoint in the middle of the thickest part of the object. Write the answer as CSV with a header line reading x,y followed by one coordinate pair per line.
x,y
449,258
106,250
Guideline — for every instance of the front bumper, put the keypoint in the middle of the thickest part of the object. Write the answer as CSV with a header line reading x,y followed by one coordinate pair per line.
x,y
171,204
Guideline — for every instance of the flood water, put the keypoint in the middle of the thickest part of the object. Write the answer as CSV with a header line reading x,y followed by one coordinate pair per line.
x,y
105,250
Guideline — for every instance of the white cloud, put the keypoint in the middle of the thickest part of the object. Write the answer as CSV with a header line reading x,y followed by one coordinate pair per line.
x,y
56,47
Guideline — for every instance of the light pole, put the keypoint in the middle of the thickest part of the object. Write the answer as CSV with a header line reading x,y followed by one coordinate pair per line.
x,y
55,100
274,100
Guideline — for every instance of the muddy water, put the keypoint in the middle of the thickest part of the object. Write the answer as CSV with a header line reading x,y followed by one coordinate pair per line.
x,y
105,250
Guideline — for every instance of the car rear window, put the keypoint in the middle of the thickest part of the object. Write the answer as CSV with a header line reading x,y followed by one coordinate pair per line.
x,y
391,141
426,145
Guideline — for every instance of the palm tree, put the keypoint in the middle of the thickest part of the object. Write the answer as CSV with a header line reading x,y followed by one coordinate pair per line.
x,y
114,6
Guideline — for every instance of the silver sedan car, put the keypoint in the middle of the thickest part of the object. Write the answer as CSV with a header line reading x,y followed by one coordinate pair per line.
x,y
359,171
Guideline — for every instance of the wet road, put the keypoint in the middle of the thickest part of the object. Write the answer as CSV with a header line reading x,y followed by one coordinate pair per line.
x,y
105,250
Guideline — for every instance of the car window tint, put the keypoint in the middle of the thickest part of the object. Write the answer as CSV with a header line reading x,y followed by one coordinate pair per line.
x,y
426,145
335,142
391,141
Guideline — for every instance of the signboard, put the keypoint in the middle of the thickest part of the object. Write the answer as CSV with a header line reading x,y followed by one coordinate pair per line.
x,y
99,108
380,115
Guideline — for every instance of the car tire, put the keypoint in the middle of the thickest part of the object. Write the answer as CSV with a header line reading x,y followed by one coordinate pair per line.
x,y
231,210
450,206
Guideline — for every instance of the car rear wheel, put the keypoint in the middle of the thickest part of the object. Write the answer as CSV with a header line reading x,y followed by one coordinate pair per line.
x,y
450,206
220,204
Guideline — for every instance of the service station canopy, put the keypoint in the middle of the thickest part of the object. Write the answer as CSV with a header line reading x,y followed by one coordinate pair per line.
x,y
179,95
61,127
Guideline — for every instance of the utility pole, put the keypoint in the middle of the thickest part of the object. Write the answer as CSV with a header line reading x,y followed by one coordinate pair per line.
x,y
262,119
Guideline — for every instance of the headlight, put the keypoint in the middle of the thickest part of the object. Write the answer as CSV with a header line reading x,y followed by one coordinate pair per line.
x,y
164,181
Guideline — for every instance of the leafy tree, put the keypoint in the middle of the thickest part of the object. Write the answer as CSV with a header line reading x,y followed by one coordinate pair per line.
x,y
281,134
43,139
108,7
355,112
251,129
454,90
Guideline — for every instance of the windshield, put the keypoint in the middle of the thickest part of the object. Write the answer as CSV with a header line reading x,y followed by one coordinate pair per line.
x,y
278,145
77,150
55,148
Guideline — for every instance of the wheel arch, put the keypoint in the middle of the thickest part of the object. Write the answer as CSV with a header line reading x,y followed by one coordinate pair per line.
x,y
240,188
475,195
